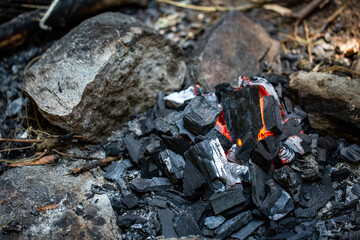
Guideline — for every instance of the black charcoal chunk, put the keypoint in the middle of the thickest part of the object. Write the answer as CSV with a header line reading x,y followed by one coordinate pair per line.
x,y
178,145
222,201
307,167
130,201
186,226
210,159
166,218
272,115
307,213
127,220
133,146
290,128
258,181
194,182
244,152
148,124
183,132
174,165
200,115
277,203
207,232
321,157
340,175
250,228
266,150
167,124
279,90
224,141
214,221
289,180
233,224
199,210
148,185
112,149
115,171
242,112
158,201
351,154
317,194
222,89
288,105
327,143
160,109
356,189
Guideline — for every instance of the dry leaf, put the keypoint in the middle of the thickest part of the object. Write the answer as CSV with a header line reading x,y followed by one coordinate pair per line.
x,y
47,207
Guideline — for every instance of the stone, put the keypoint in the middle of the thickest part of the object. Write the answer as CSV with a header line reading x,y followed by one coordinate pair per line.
x,y
27,191
93,87
235,45
337,108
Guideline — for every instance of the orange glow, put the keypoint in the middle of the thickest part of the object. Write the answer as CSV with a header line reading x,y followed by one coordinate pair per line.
x,y
239,142
263,132
220,123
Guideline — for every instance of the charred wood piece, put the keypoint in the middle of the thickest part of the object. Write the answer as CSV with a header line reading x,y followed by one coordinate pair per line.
x,y
194,182
174,165
222,201
272,115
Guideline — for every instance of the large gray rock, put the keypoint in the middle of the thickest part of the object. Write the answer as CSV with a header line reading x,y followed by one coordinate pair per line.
x,y
332,102
234,46
23,191
88,83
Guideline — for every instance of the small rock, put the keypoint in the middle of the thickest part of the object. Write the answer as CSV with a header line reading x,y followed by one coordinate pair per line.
x,y
93,87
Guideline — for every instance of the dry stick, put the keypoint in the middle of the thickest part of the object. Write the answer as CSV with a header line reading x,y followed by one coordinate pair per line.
x,y
210,9
94,164
31,62
304,13
21,140
36,118
73,156
332,17
308,44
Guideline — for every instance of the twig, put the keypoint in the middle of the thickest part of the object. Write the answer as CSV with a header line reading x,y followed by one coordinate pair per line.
x,y
210,9
303,13
340,68
36,118
31,62
41,161
332,17
73,156
93,164
29,159
308,41
21,140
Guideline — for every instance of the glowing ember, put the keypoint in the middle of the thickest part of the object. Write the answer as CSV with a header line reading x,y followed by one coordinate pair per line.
x,y
263,133
220,124
239,142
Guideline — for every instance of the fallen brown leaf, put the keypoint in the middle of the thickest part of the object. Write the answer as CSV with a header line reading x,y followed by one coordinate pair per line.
x,y
43,209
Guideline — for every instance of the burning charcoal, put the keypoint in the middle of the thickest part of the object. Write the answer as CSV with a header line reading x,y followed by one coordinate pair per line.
x,y
200,115
296,144
307,166
321,157
233,224
135,149
130,201
222,89
277,203
210,158
158,201
215,133
300,113
340,175
167,223
286,154
258,180
272,115
186,226
244,152
266,150
262,83
289,180
251,227
176,99
174,165
167,124
242,112
351,154
214,221
115,171
317,194
178,145
148,185
194,182
222,201
290,127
